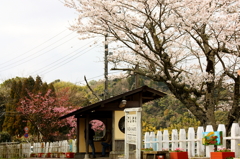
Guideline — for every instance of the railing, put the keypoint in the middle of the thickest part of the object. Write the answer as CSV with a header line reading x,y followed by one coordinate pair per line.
x,y
14,150
191,141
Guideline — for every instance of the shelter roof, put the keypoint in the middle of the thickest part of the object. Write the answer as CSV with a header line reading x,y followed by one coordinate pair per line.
x,y
134,98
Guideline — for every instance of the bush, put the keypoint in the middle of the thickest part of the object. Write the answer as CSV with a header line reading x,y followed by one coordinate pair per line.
x,y
5,137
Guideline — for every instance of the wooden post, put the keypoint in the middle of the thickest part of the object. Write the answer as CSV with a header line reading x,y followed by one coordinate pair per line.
x,y
191,145
182,136
200,146
87,137
174,137
159,141
234,142
165,139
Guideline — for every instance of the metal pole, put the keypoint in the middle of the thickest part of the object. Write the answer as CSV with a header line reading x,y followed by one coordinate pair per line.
x,y
106,69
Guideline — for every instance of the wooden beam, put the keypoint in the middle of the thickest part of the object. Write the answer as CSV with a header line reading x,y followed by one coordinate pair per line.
x,y
148,97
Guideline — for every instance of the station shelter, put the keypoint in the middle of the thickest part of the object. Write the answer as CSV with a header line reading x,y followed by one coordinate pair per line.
x,y
111,112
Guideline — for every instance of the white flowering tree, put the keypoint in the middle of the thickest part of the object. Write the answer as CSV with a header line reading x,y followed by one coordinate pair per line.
x,y
192,46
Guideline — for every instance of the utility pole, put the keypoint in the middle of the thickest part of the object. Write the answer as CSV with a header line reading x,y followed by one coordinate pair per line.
x,y
136,78
106,68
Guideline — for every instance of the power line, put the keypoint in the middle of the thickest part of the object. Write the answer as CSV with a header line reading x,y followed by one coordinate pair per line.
x,y
62,59
66,61
22,60
33,48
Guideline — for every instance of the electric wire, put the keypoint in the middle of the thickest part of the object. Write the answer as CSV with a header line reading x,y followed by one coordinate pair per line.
x,y
33,48
23,62
62,59
66,62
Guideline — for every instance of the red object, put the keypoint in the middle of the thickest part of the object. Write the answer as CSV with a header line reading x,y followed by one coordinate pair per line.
x,y
178,155
48,155
40,154
70,155
26,129
160,157
33,155
222,155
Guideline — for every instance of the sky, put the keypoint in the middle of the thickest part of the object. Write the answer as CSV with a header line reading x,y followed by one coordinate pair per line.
x,y
35,40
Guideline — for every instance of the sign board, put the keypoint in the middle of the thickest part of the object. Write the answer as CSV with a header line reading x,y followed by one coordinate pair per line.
x,y
133,130
26,135
212,138
26,129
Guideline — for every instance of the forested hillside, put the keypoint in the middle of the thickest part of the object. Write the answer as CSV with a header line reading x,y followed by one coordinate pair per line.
x,y
167,112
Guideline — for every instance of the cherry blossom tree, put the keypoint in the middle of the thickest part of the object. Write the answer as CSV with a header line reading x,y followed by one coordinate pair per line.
x,y
43,111
191,46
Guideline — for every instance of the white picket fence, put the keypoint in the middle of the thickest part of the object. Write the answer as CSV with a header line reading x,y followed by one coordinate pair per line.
x,y
191,141
59,146
13,150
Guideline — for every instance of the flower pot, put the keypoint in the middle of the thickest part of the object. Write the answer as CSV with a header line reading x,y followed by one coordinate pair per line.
x,y
69,154
178,155
160,157
40,155
33,155
222,155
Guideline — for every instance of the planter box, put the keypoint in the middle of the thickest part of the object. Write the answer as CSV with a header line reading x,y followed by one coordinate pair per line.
x,y
41,155
155,154
70,154
33,155
178,155
48,155
222,155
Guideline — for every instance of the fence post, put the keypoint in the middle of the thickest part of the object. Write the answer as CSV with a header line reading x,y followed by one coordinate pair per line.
x,y
152,139
191,143
74,146
234,142
146,140
159,141
174,138
200,146
221,127
165,139
209,148
182,136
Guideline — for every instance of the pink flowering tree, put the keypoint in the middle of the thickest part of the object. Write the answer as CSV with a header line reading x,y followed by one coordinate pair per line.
x,y
43,112
97,125
191,46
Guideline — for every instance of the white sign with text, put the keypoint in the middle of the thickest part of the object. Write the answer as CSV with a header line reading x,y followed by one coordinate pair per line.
x,y
133,130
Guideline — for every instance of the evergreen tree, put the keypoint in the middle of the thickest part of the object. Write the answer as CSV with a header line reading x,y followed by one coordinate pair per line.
x,y
38,84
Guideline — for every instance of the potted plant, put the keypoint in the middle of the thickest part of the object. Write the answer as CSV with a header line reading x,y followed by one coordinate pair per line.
x,y
40,155
178,153
33,155
222,153
147,149
70,154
